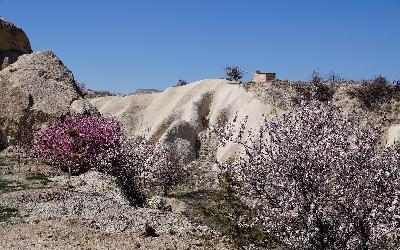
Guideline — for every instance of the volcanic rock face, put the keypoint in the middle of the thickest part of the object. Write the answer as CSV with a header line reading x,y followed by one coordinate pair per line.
x,y
42,77
13,43
34,87
35,90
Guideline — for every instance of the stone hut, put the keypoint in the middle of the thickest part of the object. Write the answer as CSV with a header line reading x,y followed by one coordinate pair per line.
x,y
263,76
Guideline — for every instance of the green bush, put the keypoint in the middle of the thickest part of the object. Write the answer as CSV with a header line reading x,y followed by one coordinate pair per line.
x,y
227,209
181,82
323,92
376,91
6,213
315,90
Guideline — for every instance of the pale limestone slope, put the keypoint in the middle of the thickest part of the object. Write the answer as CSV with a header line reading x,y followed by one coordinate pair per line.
x,y
208,102
200,104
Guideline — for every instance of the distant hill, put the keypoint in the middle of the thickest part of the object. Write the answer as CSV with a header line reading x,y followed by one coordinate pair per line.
x,y
145,91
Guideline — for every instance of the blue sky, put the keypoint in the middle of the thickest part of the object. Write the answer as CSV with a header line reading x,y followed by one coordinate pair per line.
x,y
123,45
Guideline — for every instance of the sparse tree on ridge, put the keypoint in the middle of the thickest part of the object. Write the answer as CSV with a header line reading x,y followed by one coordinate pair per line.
x,y
234,73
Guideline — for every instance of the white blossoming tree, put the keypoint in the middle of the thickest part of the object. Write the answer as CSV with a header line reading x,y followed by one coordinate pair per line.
x,y
317,181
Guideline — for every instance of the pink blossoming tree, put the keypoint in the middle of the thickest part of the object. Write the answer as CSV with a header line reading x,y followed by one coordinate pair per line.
x,y
78,144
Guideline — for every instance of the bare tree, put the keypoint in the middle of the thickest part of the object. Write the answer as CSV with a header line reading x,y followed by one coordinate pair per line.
x,y
316,77
167,171
333,77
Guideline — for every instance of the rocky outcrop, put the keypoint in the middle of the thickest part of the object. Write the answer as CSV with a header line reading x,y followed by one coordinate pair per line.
x,y
34,87
38,88
13,43
167,204
42,77
95,182
82,106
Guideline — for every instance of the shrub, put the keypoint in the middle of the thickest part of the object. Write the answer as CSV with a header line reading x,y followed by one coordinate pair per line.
x,y
80,143
323,92
225,210
374,92
233,73
129,166
317,181
333,77
77,144
316,77
81,88
167,171
7,212
316,90
181,83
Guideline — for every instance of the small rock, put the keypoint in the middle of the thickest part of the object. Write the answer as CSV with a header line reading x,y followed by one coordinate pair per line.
x,y
149,231
167,204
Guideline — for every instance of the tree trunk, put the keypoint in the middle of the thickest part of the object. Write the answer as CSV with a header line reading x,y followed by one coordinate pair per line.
x,y
69,176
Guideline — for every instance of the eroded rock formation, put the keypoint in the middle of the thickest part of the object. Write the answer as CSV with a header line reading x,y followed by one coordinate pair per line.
x,y
13,43
34,87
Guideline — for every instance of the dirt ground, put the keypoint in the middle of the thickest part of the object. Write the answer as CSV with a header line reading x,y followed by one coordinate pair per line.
x,y
37,211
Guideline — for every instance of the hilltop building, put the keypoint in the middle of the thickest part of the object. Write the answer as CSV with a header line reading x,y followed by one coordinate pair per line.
x,y
263,76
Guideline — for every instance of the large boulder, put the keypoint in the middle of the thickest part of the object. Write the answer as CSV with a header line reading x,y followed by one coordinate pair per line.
x,y
43,78
36,89
167,204
94,182
13,43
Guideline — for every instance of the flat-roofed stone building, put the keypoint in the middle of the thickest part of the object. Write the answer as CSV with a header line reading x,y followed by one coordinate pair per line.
x,y
263,76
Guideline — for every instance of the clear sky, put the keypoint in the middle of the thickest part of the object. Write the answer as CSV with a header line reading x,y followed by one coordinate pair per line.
x,y
122,45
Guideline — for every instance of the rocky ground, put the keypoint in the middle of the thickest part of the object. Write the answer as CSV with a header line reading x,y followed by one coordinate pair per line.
x,y
40,208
